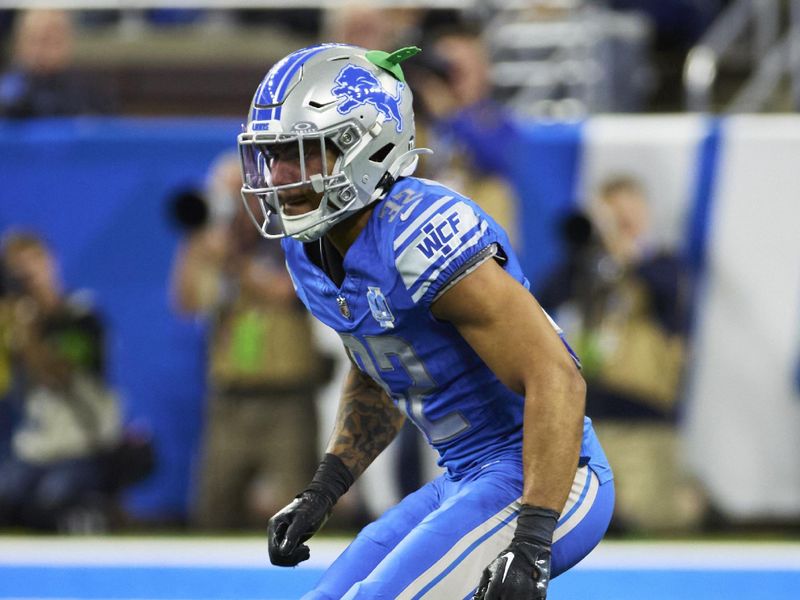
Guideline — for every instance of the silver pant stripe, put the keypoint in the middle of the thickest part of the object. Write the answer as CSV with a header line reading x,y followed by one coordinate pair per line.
x,y
578,485
465,576
460,546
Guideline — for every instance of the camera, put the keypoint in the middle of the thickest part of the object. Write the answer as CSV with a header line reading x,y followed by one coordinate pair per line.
x,y
188,209
10,285
577,232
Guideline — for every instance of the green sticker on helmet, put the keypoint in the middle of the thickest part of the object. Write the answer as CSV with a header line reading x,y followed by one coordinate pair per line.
x,y
391,62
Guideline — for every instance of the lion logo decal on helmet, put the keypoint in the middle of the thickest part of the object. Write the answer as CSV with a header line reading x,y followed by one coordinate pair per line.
x,y
357,86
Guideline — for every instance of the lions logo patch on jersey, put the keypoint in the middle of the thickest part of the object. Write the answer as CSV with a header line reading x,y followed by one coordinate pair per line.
x,y
380,307
357,86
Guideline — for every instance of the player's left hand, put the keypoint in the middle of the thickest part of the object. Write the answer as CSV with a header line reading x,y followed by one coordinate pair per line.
x,y
291,528
520,572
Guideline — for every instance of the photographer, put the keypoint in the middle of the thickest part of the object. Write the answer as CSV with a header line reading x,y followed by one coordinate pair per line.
x,y
69,418
623,303
263,365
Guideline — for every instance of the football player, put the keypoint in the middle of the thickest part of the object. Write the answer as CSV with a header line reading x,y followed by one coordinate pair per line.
x,y
440,327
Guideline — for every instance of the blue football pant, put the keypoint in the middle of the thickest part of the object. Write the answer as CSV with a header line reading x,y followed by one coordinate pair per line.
x,y
436,542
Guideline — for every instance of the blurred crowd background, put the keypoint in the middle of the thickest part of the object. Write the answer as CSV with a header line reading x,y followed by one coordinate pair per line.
x,y
157,371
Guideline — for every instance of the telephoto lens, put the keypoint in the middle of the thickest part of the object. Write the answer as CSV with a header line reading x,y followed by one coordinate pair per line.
x,y
188,209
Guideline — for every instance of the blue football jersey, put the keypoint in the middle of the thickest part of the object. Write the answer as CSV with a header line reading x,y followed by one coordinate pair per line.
x,y
421,239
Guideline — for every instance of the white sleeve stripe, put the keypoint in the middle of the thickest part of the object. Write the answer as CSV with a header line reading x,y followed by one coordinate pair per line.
x,y
414,267
469,244
411,266
412,262
414,273
417,223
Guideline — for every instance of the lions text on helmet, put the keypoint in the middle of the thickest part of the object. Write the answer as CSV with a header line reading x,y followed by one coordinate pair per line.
x,y
330,128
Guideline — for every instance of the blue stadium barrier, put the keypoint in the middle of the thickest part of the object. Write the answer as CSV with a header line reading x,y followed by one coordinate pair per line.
x,y
98,189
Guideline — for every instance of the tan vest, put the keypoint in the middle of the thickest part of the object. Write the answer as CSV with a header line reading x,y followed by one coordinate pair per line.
x,y
263,346
641,358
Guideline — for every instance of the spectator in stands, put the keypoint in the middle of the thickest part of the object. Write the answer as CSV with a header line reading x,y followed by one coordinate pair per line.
x,y
70,418
623,303
468,116
41,80
440,88
363,24
263,364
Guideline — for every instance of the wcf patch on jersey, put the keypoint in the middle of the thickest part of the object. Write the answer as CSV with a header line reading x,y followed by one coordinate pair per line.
x,y
438,235
380,307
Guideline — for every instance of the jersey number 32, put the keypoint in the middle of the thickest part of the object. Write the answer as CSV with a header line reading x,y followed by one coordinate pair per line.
x,y
374,356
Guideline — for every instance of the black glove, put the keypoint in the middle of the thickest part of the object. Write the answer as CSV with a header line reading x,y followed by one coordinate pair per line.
x,y
522,571
295,524
306,514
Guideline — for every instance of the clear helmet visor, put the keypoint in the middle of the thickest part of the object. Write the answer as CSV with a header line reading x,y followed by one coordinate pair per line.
x,y
311,161
307,156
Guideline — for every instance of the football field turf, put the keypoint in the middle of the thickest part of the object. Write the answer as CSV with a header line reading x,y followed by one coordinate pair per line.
x,y
236,569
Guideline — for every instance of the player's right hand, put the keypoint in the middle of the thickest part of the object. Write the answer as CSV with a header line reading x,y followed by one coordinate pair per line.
x,y
293,525
520,572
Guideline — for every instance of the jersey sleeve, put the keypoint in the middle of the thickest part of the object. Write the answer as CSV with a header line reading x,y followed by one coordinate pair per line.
x,y
440,242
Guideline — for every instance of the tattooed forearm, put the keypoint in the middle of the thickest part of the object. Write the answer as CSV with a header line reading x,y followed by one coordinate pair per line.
x,y
367,420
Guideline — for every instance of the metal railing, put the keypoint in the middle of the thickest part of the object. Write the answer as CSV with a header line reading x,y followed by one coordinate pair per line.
x,y
563,64
772,55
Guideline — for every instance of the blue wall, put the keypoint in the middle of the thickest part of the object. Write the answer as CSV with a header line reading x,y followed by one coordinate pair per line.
x,y
98,189
544,174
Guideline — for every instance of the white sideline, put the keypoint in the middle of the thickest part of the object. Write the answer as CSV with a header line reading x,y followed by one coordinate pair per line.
x,y
158,552
694,556
246,553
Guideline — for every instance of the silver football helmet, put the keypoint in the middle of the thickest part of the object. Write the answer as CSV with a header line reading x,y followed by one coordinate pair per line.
x,y
338,97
